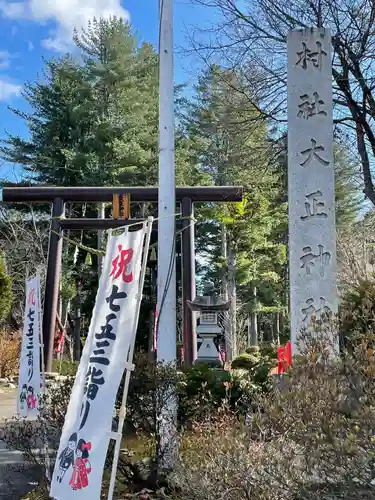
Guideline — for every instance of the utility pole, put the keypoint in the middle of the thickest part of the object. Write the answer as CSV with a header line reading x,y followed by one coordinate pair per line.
x,y
167,192
166,330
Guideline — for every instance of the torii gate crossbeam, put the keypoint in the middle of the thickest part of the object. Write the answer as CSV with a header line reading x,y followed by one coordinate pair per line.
x,y
58,196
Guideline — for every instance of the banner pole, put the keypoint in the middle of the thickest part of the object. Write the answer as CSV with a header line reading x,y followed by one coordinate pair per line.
x,y
42,372
129,365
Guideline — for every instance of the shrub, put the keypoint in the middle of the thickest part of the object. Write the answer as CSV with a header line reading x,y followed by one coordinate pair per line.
x,y
310,437
254,350
9,354
6,295
258,364
357,312
245,361
269,351
65,368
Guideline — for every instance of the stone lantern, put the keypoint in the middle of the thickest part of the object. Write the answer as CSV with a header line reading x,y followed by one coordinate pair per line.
x,y
209,332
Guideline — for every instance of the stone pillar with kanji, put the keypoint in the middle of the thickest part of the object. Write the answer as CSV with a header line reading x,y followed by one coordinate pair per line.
x,y
311,190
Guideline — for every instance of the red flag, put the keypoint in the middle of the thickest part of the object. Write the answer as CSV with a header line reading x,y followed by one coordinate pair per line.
x,y
284,358
280,359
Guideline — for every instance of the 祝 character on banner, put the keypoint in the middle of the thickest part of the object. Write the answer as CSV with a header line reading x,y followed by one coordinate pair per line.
x,y
88,421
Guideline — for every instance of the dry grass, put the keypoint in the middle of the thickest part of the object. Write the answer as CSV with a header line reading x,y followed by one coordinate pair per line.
x,y
10,346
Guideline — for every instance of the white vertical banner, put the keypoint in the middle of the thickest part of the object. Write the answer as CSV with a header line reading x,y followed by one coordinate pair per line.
x,y
311,191
29,380
88,423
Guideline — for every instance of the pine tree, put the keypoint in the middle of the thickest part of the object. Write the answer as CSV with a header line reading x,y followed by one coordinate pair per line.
x,y
58,125
231,150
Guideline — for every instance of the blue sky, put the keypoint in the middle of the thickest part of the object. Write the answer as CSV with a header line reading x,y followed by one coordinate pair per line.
x,y
36,29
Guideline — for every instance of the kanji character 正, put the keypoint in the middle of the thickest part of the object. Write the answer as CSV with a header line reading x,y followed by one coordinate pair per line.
x,y
314,207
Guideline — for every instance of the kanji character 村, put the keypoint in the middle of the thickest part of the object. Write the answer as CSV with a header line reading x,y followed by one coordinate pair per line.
x,y
306,56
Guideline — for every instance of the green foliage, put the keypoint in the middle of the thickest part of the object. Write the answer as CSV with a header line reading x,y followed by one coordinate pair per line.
x,y
268,350
245,361
68,287
65,368
258,364
349,199
201,391
232,148
6,295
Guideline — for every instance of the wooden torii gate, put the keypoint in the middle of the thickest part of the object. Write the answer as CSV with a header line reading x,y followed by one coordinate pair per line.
x,y
58,196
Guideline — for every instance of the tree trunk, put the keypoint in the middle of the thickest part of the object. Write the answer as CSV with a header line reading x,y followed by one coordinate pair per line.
x,y
254,321
277,327
77,333
233,302
224,290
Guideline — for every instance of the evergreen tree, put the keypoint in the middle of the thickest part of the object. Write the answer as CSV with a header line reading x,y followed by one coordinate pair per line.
x,y
349,199
231,150
58,125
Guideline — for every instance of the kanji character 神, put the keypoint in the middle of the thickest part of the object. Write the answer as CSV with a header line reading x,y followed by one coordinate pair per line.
x,y
308,260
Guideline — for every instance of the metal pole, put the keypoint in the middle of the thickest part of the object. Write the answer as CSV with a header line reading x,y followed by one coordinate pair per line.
x,y
129,363
188,280
167,192
52,282
166,303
